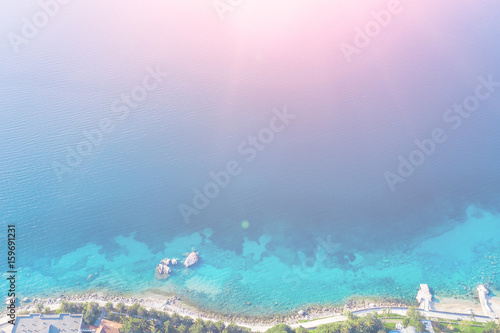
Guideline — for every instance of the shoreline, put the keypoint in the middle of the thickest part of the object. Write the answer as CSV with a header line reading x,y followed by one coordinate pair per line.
x,y
174,304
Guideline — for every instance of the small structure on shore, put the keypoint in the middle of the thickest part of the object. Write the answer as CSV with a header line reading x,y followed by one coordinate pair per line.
x,y
191,259
424,298
162,271
483,298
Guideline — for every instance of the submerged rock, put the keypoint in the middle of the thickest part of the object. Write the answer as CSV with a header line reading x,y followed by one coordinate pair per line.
x,y
191,259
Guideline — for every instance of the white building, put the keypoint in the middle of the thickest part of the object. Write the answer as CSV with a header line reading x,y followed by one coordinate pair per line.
x,y
39,323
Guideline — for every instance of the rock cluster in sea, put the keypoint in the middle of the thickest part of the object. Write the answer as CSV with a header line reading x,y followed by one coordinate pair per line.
x,y
163,270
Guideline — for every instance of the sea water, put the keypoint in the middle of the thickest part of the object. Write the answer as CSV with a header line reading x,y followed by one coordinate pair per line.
x,y
308,215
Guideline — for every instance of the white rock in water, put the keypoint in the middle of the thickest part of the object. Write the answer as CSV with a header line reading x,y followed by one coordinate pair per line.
x,y
191,259
174,261
162,271
166,261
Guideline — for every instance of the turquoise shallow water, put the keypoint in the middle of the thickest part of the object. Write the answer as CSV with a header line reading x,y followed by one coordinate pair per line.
x,y
262,273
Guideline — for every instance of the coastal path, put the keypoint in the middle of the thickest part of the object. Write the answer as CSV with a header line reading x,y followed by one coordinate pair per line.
x,y
397,310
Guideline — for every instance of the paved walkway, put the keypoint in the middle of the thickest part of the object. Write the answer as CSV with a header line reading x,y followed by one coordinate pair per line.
x,y
400,311
101,317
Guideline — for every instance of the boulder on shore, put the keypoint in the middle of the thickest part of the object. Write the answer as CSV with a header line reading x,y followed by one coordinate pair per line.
x,y
162,271
191,259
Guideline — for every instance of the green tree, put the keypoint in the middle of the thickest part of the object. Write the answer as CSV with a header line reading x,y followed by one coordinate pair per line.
x,y
39,308
466,326
120,307
142,312
176,319
280,328
109,306
187,321
167,327
197,327
233,328
411,312
131,325
220,326
491,327
114,317
135,325
154,314
350,316
368,324
210,326
415,318
132,310
153,327
46,310
419,326
91,312
63,308
301,329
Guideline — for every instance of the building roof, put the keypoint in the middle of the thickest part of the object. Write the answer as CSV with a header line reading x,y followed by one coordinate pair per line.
x,y
38,323
108,326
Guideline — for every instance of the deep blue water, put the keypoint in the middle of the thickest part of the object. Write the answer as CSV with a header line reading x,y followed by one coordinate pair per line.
x,y
311,219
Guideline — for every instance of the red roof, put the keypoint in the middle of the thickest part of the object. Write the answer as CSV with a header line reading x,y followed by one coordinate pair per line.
x,y
108,326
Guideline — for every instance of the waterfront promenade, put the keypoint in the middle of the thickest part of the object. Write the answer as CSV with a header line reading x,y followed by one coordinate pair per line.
x,y
398,310
171,306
